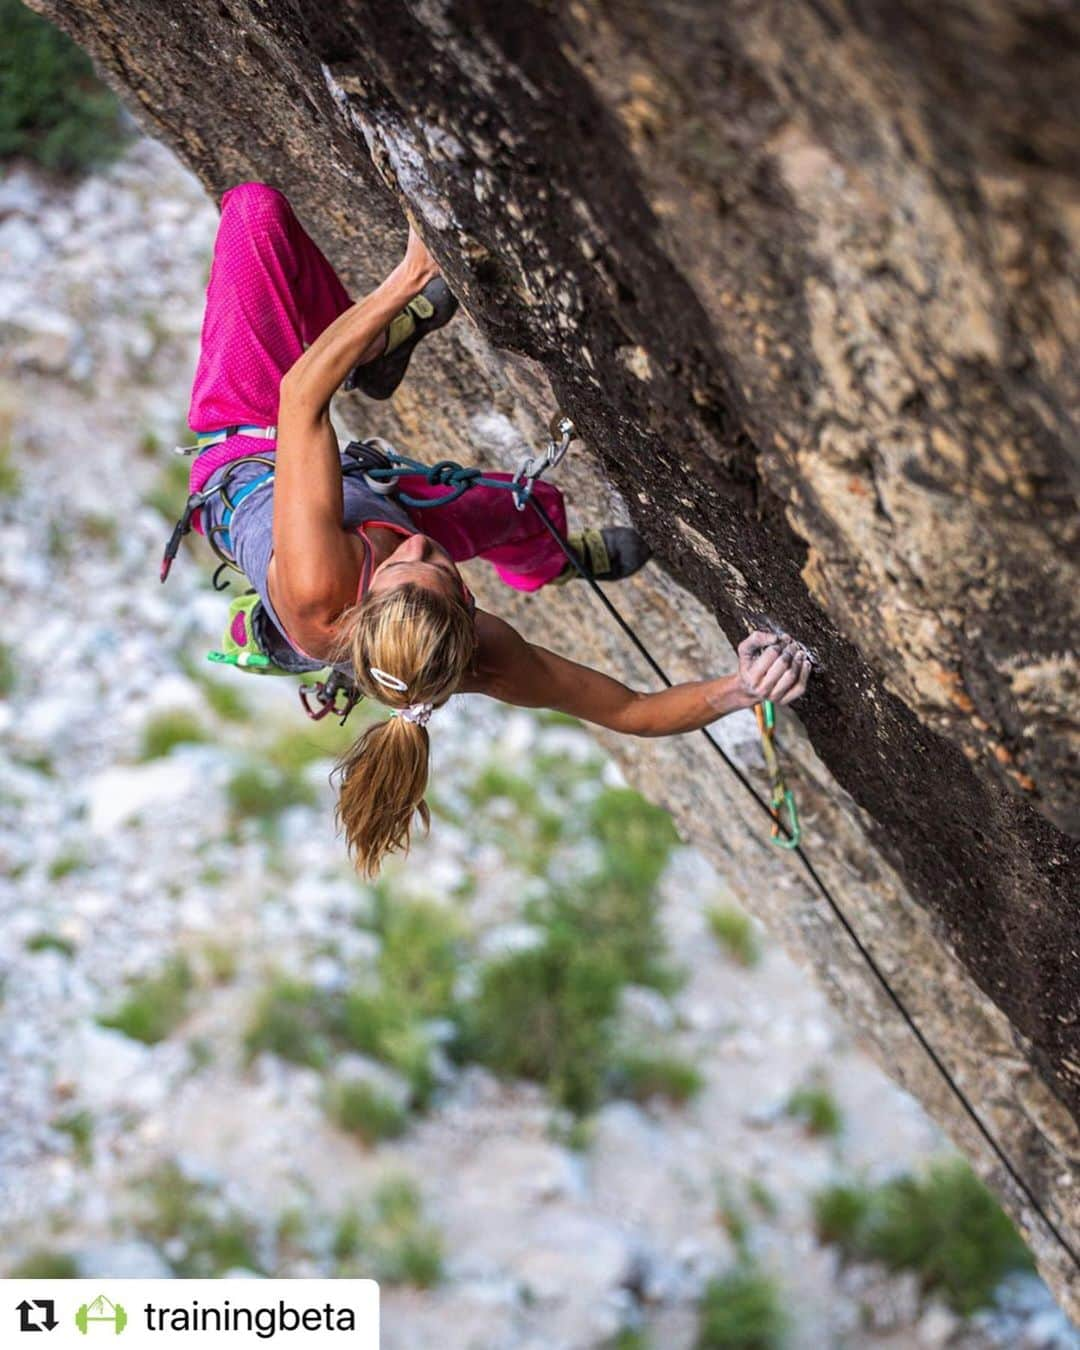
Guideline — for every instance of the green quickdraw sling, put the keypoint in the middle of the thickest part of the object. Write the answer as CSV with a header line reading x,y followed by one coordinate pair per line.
x,y
785,831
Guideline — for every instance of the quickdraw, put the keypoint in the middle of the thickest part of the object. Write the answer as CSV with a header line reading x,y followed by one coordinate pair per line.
x,y
785,832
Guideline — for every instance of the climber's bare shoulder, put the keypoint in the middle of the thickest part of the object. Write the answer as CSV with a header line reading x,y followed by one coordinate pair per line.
x,y
509,668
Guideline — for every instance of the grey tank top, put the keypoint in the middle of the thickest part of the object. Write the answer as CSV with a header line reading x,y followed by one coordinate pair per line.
x,y
251,533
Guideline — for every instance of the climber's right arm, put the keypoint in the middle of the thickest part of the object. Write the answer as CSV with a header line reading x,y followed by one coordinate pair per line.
x,y
526,675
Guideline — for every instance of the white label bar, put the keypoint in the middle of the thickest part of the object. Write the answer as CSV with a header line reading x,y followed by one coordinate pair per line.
x,y
146,1314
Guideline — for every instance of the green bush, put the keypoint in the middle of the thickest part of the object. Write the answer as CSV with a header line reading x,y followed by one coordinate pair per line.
x,y
203,1238
380,1023
417,967
643,1074
8,675
741,1311
361,1109
10,480
290,1021
79,1127
42,1265
839,1213
629,1338
735,931
53,108
225,700
388,1239
70,860
170,490
613,912
732,1216
545,1013
816,1107
50,942
945,1226
169,729
420,954
261,792
154,1006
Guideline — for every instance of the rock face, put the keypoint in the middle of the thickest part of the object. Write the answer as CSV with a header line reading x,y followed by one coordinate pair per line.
x,y
804,277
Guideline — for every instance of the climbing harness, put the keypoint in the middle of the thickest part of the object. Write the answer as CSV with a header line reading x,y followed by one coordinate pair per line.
x,y
382,466
783,799
335,693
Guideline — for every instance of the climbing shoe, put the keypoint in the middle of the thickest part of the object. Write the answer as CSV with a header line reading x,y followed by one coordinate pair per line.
x,y
609,554
431,309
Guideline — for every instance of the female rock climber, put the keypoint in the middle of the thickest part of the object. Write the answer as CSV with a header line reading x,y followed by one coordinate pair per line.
x,y
349,577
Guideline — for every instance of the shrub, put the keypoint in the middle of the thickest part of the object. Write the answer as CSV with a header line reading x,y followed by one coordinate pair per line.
x,y
629,1338
10,482
613,911
169,729
735,931
420,954
816,1107
42,1265
225,701
8,676
290,1021
52,106
761,1197
945,1226
79,1127
388,1239
417,969
50,942
642,1074
202,1238
380,1023
259,792
732,1217
170,491
361,1109
839,1213
741,1311
70,860
154,1006
545,1013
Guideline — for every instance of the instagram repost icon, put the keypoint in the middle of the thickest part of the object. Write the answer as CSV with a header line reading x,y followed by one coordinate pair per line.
x,y
101,1310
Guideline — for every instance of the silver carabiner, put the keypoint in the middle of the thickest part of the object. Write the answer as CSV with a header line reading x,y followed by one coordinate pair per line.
x,y
562,432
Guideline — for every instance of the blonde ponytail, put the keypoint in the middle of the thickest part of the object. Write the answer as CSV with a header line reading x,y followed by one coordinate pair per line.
x,y
427,641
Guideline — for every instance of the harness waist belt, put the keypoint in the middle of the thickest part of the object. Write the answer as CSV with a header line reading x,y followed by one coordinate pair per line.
x,y
205,438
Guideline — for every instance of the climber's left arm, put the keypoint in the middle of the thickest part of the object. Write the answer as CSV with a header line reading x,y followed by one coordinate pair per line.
x,y
521,673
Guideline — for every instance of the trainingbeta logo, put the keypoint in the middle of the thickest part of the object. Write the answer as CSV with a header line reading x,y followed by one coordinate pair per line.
x,y
163,1313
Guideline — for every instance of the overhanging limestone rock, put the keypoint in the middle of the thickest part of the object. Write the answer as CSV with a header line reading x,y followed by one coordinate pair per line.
x,y
805,280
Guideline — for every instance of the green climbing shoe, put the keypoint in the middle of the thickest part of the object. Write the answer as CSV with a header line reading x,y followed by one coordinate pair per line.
x,y
608,554
431,309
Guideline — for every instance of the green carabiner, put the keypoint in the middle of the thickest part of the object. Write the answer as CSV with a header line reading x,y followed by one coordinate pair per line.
x,y
794,832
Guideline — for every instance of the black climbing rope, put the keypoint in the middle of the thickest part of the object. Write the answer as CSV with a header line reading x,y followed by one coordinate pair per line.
x,y
792,842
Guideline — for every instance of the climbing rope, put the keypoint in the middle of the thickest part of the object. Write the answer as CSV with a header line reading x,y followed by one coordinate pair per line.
x,y
788,834
387,465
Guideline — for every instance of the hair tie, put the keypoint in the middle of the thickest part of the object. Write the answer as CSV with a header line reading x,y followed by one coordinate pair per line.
x,y
415,712
390,681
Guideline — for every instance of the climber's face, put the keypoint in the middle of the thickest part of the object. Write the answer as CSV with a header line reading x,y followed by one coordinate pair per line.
x,y
425,563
